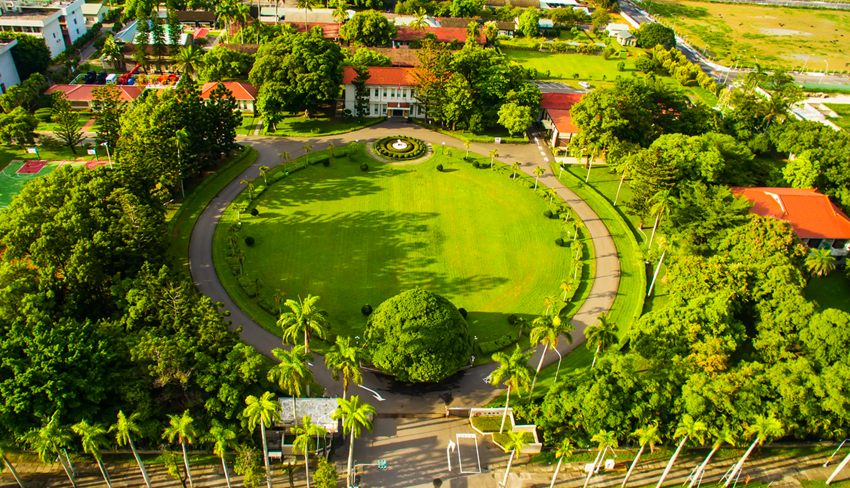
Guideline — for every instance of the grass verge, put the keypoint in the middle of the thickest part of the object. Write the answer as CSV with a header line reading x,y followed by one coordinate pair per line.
x,y
487,137
297,126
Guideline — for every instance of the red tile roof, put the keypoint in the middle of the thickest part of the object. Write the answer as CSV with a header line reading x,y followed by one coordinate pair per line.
x,y
810,213
563,101
399,57
83,93
444,34
329,31
563,121
382,76
240,91
200,33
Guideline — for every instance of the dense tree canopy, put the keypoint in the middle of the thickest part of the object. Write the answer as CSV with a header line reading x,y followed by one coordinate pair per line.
x,y
370,28
418,336
223,64
652,34
31,54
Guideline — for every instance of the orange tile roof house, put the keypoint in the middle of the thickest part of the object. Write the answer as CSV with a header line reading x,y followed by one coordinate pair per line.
x,y
391,92
818,222
81,96
444,34
244,93
556,119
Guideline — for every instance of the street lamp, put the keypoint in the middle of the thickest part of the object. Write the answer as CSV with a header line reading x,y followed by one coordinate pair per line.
x,y
827,67
807,62
107,153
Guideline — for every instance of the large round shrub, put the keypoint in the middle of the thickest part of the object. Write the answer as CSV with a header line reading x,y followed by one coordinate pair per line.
x,y
414,148
418,336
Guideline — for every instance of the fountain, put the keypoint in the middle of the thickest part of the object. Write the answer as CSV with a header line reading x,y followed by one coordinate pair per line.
x,y
400,145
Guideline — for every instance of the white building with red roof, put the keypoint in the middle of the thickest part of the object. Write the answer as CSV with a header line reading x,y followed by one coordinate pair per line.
x,y
244,93
818,222
82,96
391,92
556,118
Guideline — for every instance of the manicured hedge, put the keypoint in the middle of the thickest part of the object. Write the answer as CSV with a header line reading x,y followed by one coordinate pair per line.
x,y
415,149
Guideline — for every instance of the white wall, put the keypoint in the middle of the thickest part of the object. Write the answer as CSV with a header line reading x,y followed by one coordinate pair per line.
x,y
378,103
52,34
74,19
8,72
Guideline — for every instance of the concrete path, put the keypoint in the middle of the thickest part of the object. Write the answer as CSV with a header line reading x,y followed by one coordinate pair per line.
x,y
466,388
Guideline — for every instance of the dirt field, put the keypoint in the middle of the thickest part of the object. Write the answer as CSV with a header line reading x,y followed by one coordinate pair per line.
x,y
777,36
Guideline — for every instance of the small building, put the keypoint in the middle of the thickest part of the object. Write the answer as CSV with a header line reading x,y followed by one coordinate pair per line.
x,y
407,35
94,12
818,221
244,93
506,28
320,411
391,92
556,118
59,22
550,4
8,71
406,20
406,58
196,18
329,30
621,33
81,96
129,33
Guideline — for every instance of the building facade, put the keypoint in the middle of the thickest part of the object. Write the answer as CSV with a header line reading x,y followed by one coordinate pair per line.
x,y
8,71
59,23
391,92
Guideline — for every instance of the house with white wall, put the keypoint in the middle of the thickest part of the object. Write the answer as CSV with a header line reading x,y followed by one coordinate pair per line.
x,y
391,92
59,23
8,71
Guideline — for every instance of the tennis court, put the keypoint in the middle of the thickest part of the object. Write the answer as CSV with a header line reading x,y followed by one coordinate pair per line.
x,y
20,171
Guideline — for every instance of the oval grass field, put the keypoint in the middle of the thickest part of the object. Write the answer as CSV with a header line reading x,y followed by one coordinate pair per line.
x,y
475,236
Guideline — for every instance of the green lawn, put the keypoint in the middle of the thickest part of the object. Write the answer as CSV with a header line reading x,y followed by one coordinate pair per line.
x,y
352,237
488,136
249,123
842,109
830,291
83,117
299,126
11,182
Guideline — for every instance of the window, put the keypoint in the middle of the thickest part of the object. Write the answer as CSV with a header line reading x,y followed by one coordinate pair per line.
x,y
78,31
377,93
75,23
839,243
385,109
385,92
54,35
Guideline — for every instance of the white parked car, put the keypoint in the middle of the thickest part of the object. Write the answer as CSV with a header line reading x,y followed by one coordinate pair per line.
x,y
584,84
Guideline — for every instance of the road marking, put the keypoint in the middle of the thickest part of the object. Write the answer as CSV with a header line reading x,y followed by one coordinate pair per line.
x,y
542,153
546,159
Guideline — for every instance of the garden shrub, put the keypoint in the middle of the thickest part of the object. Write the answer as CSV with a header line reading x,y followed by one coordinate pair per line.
x,y
249,285
418,336
249,240
254,212
475,164
414,149
547,213
512,318
462,312
364,167
268,306
559,242
366,310
44,114
439,167
489,347
326,163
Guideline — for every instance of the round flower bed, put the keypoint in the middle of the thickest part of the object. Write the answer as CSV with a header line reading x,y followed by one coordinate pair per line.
x,y
400,147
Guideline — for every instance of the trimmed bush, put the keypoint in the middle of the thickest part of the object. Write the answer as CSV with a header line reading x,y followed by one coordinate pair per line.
x,y
559,242
547,213
414,149
489,347
249,285
366,310
462,312
326,163
418,336
364,167
249,240
439,167
512,318
254,212
475,164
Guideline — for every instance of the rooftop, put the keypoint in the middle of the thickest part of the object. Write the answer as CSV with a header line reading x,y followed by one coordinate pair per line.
x,y
83,93
399,57
240,91
563,101
811,214
563,121
318,409
382,76
444,34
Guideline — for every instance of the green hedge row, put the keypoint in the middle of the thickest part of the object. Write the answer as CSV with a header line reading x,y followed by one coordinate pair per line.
x,y
384,147
487,348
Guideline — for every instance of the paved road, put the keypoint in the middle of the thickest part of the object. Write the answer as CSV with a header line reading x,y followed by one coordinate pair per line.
x,y
466,388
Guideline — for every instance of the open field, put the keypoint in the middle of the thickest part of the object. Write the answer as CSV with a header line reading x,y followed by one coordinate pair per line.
x,y
830,291
780,37
842,109
296,125
353,237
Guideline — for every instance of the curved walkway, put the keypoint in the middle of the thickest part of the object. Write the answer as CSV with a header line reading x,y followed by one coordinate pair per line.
x,y
466,388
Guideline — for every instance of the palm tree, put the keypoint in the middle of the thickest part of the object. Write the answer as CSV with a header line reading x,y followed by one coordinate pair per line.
x,y
93,438
551,193
263,410
242,14
820,262
419,21
722,436
466,144
343,361
222,440
513,370
660,205
579,225
689,429
307,5
567,286
278,298
9,466
304,440
49,441
306,317
765,429
547,330
180,427
603,439
537,172
307,148
124,428
515,167
645,435
601,335
522,325
564,450
181,139
514,443
250,188
493,154
331,147
240,258
263,170
339,14
293,372
188,59
284,157
226,10
355,416
548,302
